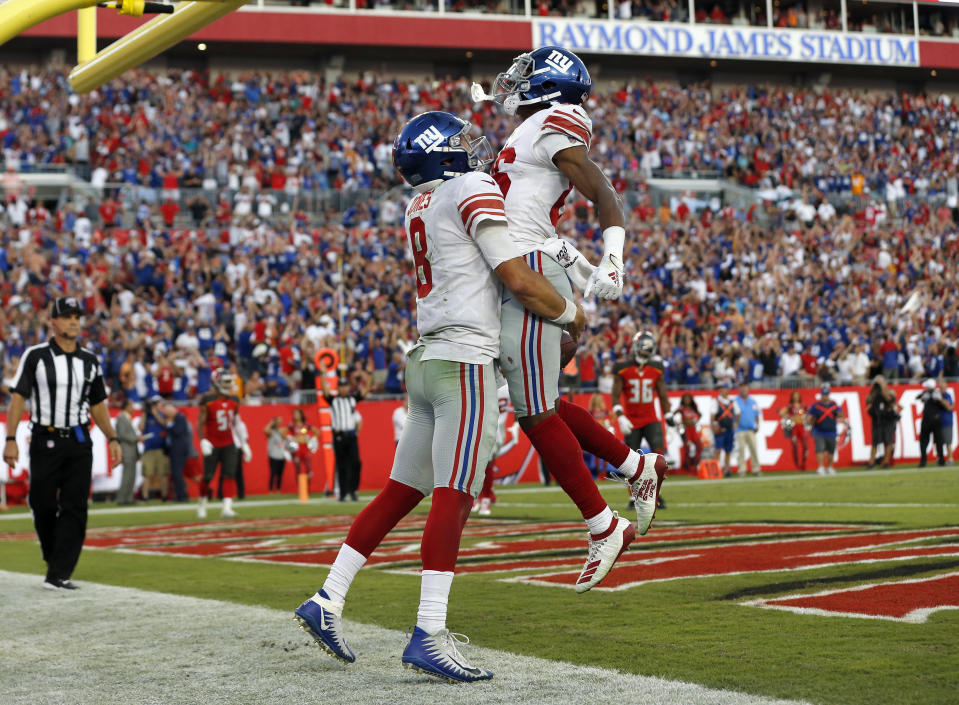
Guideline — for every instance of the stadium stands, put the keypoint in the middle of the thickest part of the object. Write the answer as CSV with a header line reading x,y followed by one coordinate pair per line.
x,y
229,204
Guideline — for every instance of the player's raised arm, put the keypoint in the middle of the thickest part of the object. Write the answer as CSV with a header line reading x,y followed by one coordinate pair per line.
x,y
607,280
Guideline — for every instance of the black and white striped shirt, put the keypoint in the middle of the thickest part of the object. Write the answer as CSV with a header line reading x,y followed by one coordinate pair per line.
x,y
61,387
343,412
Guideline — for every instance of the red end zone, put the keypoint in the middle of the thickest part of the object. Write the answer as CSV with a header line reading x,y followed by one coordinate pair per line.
x,y
900,601
551,554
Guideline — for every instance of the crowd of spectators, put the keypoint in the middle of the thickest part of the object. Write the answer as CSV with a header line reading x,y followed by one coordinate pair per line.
x,y
258,145
879,18
255,282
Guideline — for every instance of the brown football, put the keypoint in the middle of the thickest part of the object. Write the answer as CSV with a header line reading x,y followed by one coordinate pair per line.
x,y
567,348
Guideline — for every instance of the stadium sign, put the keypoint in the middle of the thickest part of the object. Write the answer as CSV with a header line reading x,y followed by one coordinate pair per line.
x,y
725,42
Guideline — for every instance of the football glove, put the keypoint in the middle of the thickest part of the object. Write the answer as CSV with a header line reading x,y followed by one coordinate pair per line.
x,y
247,453
625,425
205,446
606,281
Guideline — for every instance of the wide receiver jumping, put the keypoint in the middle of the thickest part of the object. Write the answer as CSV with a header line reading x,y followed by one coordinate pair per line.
x,y
538,166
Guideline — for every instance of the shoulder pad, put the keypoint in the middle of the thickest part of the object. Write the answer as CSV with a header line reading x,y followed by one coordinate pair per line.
x,y
570,120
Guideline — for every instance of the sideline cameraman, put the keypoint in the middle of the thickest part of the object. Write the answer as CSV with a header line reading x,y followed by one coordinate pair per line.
x,y
932,411
884,413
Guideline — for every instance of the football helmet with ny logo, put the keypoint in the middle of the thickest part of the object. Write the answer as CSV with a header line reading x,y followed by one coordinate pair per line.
x,y
549,74
436,146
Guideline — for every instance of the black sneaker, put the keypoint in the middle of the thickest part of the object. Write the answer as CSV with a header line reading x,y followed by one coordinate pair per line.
x,y
60,584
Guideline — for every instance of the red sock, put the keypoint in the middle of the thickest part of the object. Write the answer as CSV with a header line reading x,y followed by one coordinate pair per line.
x,y
204,489
229,487
487,490
380,516
592,436
444,527
563,456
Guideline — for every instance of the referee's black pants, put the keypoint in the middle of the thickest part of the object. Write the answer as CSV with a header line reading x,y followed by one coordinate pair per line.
x,y
934,429
60,470
346,451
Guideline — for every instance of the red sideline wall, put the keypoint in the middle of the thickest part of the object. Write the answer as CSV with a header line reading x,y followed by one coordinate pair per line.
x,y
377,444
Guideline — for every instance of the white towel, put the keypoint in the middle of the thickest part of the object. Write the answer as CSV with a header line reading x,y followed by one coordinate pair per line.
x,y
569,258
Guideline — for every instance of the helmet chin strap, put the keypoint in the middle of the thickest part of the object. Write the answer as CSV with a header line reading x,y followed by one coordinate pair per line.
x,y
428,185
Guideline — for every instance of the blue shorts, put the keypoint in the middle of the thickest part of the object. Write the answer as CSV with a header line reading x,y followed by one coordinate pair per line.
x,y
724,441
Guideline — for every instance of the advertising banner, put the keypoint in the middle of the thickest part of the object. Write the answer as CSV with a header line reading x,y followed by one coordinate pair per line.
x,y
521,464
708,41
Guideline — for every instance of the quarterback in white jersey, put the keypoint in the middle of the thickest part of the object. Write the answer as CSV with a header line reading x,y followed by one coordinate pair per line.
x,y
544,158
461,251
457,293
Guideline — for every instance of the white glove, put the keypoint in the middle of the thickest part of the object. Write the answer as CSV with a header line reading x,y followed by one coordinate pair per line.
x,y
625,425
286,456
606,281
205,446
247,453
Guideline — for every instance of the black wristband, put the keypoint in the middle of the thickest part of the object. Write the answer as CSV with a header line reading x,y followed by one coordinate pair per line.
x,y
11,438
111,440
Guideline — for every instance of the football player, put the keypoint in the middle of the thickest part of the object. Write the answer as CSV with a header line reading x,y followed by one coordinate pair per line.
x,y
636,386
543,159
219,409
461,252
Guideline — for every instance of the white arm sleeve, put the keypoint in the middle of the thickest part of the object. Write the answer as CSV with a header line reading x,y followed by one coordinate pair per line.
x,y
492,237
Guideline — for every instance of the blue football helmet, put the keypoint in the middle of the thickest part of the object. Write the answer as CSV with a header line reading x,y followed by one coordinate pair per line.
x,y
436,146
546,75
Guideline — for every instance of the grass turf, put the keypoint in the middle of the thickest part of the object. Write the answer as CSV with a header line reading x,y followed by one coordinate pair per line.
x,y
690,629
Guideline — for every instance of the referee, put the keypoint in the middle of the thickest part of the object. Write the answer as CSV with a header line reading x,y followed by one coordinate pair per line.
x,y
346,424
65,388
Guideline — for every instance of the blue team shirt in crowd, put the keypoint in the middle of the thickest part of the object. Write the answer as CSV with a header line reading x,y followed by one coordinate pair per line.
x,y
824,417
155,433
748,414
947,415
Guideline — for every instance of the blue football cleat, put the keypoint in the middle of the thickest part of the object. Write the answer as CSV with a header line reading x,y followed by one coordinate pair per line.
x,y
437,655
321,618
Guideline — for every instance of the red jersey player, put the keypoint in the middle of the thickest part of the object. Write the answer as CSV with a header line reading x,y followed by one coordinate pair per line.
x,y
636,385
217,417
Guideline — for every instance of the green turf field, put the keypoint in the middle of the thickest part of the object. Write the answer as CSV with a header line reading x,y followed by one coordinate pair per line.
x,y
693,629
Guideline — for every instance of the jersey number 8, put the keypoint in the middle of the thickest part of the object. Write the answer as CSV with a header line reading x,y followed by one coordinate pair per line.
x,y
421,265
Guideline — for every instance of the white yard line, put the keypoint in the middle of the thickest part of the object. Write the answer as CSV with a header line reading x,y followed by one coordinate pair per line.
x,y
106,644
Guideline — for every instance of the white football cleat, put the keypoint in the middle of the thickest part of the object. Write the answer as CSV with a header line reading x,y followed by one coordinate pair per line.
x,y
604,552
644,488
201,508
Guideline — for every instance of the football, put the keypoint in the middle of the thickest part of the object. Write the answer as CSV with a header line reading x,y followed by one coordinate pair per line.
x,y
567,348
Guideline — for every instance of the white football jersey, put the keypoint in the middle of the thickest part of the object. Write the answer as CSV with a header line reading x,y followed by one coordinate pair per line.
x,y
457,293
534,188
